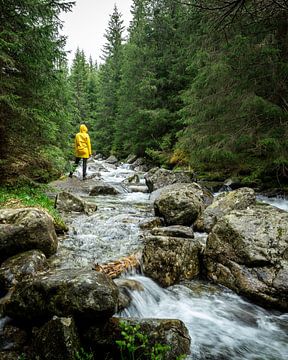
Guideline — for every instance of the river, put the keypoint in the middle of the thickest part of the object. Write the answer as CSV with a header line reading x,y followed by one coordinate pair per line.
x,y
222,325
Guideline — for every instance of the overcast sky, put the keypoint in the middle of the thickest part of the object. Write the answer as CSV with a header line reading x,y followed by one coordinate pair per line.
x,y
86,25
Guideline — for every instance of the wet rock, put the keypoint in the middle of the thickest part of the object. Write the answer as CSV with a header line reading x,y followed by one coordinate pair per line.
x,y
133,179
168,260
112,160
151,223
224,203
68,202
26,229
168,332
138,188
58,336
12,338
181,204
85,294
102,188
247,251
141,165
10,355
157,178
20,266
131,159
126,287
174,231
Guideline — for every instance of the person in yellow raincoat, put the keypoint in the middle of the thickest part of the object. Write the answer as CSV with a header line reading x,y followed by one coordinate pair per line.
x,y
82,149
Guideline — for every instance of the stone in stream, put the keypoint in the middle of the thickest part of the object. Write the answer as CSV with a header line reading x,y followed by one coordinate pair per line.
x,y
171,333
102,188
181,204
168,260
20,266
85,294
57,339
247,251
126,287
157,178
26,229
222,204
174,231
68,202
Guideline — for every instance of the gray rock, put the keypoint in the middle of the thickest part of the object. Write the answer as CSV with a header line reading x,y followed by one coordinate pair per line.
x,y
126,287
84,294
157,178
174,231
68,202
138,188
102,188
26,229
131,159
181,204
224,203
151,223
112,160
168,260
20,266
58,336
168,332
247,251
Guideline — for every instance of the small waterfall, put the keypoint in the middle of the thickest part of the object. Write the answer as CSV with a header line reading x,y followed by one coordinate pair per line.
x,y
222,325
279,202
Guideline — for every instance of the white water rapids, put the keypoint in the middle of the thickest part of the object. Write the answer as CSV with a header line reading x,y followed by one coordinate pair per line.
x,y
222,325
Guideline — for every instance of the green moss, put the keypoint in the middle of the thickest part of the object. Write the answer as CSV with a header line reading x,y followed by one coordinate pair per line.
x,y
24,196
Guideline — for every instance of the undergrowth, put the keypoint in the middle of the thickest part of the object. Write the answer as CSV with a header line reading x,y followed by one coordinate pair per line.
x,y
26,196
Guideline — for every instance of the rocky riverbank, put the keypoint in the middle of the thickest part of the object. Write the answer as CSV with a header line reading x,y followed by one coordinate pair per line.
x,y
50,311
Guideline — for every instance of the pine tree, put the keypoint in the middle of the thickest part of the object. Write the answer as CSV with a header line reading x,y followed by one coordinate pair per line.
x,y
109,78
31,50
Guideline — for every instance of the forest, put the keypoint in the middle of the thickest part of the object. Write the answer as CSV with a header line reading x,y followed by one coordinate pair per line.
x,y
199,85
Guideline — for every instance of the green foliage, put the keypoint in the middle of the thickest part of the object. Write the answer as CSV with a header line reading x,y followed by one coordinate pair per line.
x,y
33,95
135,345
28,196
83,355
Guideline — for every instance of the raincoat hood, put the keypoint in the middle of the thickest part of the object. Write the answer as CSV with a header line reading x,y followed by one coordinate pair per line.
x,y
83,128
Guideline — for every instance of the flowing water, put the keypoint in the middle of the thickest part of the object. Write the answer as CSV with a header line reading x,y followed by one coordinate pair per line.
x,y
222,325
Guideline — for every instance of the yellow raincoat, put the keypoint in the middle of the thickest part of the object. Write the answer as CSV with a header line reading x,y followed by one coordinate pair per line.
x,y
82,143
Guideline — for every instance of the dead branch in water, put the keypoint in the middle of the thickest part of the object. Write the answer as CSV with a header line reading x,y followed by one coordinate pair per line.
x,y
115,268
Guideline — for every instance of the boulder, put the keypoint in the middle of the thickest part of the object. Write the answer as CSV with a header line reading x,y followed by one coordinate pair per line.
x,y
157,178
131,159
85,294
171,333
112,160
68,202
12,338
247,251
168,260
126,287
181,204
132,179
151,223
174,231
141,165
26,229
138,188
20,266
57,336
224,203
102,188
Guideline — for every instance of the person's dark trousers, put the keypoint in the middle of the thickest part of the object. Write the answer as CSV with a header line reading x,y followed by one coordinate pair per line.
x,y
77,160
